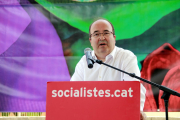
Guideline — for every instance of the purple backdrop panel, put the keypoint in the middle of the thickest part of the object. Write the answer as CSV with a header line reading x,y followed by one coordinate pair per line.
x,y
33,59
24,79
13,21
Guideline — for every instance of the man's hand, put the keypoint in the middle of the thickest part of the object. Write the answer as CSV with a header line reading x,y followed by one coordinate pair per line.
x,y
143,116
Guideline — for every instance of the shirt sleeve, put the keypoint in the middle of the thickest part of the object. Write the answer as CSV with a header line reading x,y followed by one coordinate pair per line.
x,y
131,66
78,74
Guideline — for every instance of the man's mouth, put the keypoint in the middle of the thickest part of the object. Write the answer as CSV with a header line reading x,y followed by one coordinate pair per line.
x,y
102,44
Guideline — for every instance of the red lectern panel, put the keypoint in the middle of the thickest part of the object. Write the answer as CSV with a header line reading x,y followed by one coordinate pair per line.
x,y
93,100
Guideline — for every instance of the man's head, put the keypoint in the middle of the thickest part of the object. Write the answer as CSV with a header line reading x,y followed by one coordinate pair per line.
x,y
101,19
102,37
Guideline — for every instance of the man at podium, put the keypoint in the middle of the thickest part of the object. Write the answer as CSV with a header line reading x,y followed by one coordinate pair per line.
x,y
102,38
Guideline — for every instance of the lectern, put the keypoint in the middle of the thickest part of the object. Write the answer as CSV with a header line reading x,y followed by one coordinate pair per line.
x,y
93,100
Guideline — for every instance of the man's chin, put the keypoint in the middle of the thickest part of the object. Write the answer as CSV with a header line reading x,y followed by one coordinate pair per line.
x,y
103,50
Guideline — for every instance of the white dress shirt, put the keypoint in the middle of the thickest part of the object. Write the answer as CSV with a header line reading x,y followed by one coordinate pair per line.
x,y
119,58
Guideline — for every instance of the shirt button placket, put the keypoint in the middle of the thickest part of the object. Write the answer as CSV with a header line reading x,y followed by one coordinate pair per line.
x,y
100,73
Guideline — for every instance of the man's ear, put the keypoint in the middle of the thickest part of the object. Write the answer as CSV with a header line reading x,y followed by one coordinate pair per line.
x,y
115,38
90,41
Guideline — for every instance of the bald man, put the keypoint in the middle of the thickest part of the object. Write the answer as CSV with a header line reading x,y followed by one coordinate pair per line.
x,y
102,38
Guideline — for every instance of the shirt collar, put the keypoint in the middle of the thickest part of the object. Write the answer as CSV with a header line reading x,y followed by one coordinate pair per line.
x,y
112,54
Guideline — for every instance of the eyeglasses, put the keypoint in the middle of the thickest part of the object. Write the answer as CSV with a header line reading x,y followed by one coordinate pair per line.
x,y
97,34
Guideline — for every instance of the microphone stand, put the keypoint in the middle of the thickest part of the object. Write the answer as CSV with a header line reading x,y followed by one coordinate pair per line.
x,y
166,91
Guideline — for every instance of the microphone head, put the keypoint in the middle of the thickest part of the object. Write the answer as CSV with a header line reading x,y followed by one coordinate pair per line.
x,y
86,50
90,66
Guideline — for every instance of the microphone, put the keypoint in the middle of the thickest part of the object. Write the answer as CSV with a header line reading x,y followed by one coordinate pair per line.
x,y
87,52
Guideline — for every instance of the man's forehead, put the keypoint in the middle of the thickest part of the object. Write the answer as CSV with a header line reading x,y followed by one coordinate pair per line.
x,y
103,22
97,25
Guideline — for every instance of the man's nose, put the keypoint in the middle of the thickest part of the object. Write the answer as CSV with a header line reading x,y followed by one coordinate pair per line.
x,y
101,36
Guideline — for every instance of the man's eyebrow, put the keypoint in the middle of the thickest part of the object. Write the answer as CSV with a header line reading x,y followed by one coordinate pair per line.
x,y
96,31
106,30
103,31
